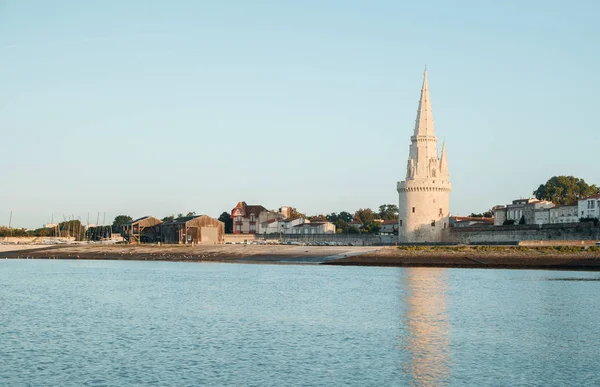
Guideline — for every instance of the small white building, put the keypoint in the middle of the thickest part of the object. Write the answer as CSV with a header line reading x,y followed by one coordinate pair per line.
x,y
564,214
589,207
283,226
541,215
313,228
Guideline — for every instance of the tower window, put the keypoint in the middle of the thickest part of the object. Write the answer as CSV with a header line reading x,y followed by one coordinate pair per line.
x,y
413,210
441,212
433,223
400,222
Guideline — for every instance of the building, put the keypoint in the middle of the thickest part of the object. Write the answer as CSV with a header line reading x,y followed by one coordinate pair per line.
x,y
563,214
313,228
532,211
248,218
424,196
143,230
499,215
389,227
192,230
283,226
589,207
470,221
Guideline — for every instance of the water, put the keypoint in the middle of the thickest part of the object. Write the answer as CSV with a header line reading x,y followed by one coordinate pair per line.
x,y
99,323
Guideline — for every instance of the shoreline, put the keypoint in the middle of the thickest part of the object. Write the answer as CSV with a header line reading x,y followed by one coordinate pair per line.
x,y
489,257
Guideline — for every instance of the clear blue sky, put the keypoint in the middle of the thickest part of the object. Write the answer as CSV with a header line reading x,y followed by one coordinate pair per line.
x,y
156,107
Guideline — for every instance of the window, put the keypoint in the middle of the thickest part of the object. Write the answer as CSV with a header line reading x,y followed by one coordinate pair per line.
x,y
413,210
238,218
252,218
252,227
441,212
238,227
433,223
400,222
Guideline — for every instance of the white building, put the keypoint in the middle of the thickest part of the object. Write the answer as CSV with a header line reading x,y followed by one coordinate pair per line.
x,y
563,214
283,226
589,207
314,228
424,196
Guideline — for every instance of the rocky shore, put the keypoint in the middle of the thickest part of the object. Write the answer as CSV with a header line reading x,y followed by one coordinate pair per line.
x,y
512,257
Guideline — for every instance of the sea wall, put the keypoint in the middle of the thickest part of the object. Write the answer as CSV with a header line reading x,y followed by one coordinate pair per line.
x,y
559,233
354,239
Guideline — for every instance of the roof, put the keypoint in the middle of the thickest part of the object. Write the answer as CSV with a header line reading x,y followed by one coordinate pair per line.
x,y
311,224
562,206
182,220
139,220
249,209
597,196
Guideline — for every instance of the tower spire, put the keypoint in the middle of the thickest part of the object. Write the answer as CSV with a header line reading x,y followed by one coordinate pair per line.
x,y
424,121
444,162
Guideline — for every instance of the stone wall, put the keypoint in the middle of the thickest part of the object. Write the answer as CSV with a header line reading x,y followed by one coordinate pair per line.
x,y
516,233
354,239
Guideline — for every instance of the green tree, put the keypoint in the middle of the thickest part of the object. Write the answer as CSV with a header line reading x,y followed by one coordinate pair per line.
x,y
345,216
191,213
371,228
317,218
168,218
364,216
294,214
565,190
120,220
225,217
388,212
487,214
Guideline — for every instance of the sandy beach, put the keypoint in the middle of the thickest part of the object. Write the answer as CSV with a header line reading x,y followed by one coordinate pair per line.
x,y
220,253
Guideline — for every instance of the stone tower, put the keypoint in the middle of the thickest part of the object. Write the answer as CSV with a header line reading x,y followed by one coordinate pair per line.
x,y
425,193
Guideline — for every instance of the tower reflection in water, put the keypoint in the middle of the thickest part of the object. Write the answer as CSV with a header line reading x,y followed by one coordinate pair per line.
x,y
425,339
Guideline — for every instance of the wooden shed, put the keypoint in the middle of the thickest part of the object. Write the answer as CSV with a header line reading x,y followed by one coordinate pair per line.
x,y
192,230
143,230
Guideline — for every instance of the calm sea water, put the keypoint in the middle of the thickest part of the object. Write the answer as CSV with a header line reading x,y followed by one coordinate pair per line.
x,y
97,323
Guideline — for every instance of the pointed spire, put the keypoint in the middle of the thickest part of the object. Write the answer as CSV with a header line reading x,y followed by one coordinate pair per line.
x,y
444,162
424,122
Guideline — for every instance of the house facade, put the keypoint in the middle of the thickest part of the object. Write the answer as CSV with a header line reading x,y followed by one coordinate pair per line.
x,y
589,207
313,228
248,218
563,214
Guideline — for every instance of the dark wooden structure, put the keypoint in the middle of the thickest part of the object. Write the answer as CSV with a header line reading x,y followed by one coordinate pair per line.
x,y
142,230
192,230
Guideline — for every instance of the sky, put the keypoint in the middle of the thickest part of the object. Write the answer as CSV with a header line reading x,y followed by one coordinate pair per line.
x,y
161,107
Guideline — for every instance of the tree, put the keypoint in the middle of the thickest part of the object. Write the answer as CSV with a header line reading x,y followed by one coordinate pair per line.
x,y
364,216
371,228
522,220
168,218
388,212
345,216
225,217
565,190
120,220
317,218
487,214
191,213
294,214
